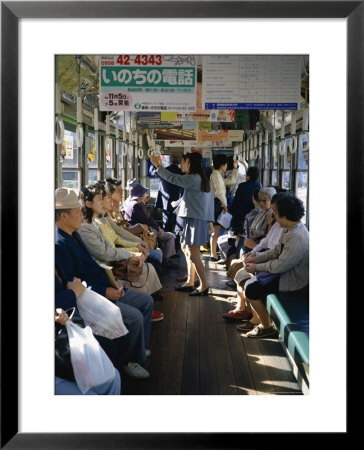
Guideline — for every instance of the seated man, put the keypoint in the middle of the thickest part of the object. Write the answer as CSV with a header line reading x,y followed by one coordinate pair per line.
x,y
135,213
74,260
282,269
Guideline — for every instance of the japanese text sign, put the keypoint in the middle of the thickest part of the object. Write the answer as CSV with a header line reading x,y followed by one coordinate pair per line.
x,y
148,83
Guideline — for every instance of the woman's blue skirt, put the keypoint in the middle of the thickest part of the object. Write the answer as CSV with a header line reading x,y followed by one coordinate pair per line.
x,y
195,232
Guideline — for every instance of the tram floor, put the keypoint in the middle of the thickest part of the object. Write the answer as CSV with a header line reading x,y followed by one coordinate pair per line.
x,y
194,351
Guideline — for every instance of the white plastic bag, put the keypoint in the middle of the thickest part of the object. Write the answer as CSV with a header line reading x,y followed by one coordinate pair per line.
x,y
224,219
91,365
101,315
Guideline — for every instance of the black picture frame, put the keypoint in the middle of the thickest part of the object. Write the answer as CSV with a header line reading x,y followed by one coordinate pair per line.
x,y
11,12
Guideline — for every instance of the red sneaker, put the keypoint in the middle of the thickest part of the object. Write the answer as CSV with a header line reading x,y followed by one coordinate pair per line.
x,y
237,315
157,316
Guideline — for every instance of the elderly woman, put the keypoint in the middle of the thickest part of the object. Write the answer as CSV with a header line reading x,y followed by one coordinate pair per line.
x,y
135,213
242,310
285,268
262,221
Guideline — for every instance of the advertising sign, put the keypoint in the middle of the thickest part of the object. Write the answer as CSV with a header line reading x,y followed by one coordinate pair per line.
x,y
67,146
235,135
148,83
197,144
251,82
220,135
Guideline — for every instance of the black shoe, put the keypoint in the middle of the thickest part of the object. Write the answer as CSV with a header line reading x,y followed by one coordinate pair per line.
x,y
214,259
231,284
184,288
157,297
196,293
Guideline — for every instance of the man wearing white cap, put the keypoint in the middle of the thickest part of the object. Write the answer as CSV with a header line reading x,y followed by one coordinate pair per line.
x,y
74,260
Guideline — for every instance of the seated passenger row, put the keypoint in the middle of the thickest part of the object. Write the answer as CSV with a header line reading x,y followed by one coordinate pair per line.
x,y
85,237
277,260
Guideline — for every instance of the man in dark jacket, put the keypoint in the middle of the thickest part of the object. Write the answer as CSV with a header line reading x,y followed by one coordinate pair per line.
x,y
242,203
167,194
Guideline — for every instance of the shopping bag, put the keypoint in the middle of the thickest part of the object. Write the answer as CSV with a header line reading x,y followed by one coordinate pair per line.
x,y
91,365
224,219
101,315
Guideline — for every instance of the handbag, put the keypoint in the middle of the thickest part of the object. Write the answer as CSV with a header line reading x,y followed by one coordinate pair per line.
x,y
150,239
63,365
135,229
124,270
266,277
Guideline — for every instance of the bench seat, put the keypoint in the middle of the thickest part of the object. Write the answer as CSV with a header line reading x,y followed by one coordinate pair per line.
x,y
290,313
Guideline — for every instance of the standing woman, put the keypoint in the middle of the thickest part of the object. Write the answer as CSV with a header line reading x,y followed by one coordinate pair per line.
x,y
197,209
218,186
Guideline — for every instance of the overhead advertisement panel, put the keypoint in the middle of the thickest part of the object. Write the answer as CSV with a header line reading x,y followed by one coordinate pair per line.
x,y
251,82
195,143
148,83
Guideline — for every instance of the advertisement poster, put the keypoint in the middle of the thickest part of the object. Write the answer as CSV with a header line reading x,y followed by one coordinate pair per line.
x,y
68,146
251,81
148,83
220,135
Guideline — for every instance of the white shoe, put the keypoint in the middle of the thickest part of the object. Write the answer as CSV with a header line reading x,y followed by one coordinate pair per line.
x,y
147,353
135,370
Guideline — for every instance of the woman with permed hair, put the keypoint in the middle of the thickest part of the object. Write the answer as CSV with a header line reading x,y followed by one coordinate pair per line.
x,y
285,268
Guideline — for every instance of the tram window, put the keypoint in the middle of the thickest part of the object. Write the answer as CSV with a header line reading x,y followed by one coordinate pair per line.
x,y
302,159
274,156
122,177
121,158
285,180
71,179
274,178
153,187
266,157
109,173
69,148
301,189
93,175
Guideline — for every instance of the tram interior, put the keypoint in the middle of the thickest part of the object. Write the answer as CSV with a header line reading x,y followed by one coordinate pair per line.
x,y
194,351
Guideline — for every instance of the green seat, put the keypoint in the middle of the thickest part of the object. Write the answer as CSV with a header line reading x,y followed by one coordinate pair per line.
x,y
290,313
